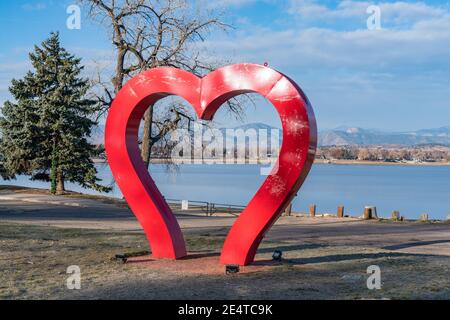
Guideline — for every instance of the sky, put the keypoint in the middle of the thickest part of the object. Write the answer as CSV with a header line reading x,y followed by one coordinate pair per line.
x,y
394,78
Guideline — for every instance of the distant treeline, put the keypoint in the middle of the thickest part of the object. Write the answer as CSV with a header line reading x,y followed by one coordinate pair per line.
x,y
385,153
372,153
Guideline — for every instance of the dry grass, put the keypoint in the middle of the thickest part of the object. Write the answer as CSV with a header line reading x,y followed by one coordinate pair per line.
x,y
33,262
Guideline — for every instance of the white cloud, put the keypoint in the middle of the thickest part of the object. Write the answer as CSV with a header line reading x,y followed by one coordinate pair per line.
x,y
313,48
9,71
426,42
394,13
94,60
356,73
229,3
223,4
16,67
34,6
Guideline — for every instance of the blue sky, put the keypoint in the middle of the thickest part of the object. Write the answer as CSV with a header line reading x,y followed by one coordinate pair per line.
x,y
396,78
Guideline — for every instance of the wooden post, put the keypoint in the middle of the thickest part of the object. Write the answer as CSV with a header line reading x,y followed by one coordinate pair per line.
x,y
367,213
395,215
340,212
288,210
370,212
207,209
312,210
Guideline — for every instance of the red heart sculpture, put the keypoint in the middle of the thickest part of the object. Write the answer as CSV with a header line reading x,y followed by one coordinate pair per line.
x,y
206,95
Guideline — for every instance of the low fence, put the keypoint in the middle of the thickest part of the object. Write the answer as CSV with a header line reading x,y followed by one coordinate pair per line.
x,y
209,208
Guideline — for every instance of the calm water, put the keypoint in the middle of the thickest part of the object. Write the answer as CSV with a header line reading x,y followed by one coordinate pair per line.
x,y
411,190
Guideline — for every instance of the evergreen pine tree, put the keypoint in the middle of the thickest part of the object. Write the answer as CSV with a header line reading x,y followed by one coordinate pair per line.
x,y
3,173
45,131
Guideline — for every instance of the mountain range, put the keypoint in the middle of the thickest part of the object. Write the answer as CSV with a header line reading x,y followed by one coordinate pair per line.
x,y
355,136
363,137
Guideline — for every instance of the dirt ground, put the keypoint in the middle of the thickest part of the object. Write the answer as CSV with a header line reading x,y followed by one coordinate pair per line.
x,y
323,258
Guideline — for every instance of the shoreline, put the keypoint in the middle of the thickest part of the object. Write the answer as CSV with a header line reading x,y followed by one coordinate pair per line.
x,y
316,161
222,210
382,163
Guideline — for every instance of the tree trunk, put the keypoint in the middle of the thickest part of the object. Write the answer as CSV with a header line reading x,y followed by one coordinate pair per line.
x,y
147,144
119,74
53,176
53,168
60,183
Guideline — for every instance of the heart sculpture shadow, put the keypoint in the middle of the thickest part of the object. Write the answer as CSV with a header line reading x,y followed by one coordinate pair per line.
x,y
206,95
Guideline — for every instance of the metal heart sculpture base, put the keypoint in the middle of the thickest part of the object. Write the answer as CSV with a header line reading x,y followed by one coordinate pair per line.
x,y
206,95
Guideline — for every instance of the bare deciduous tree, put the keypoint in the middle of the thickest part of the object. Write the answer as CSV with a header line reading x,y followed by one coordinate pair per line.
x,y
388,153
154,33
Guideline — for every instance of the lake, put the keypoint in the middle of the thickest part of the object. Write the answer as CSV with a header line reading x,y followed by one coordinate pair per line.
x,y
412,190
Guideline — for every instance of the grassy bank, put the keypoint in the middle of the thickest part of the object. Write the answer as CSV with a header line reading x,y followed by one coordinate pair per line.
x,y
34,260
